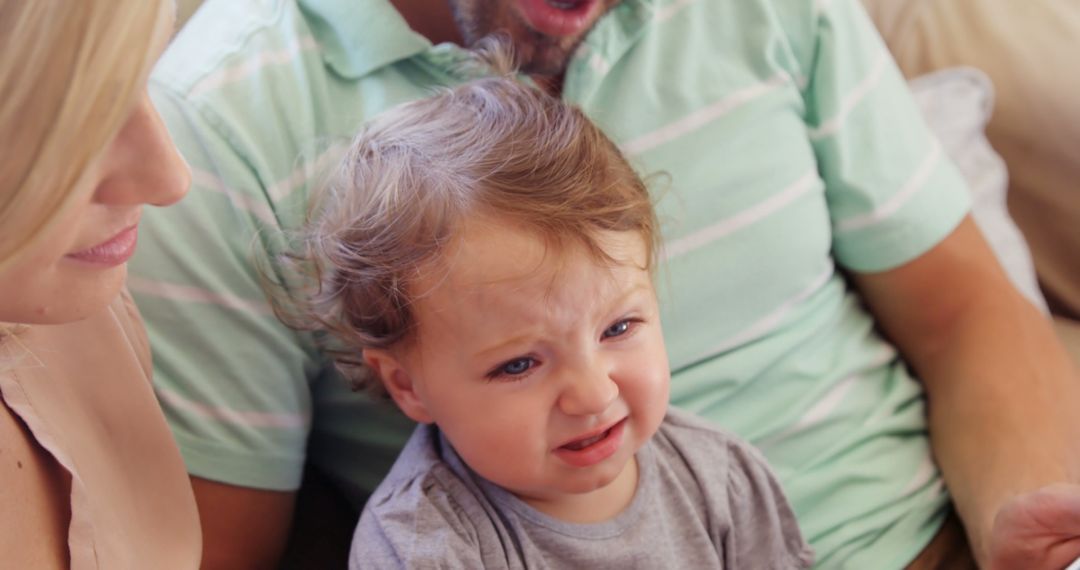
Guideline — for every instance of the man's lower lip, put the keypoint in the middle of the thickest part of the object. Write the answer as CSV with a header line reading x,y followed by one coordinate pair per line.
x,y
596,452
114,252
552,21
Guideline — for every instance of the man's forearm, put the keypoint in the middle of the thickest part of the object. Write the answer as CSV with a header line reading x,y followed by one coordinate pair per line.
x,y
242,527
1003,401
1002,393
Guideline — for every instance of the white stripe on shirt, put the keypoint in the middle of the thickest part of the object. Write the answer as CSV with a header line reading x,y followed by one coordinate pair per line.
x,y
821,6
598,63
248,67
256,206
896,201
187,293
769,322
831,400
927,472
853,98
304,174
226,415
670,10
704,116
731,224
818,412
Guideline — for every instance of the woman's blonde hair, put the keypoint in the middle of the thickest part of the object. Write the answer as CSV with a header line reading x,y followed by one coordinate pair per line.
x,y
69,74
411,177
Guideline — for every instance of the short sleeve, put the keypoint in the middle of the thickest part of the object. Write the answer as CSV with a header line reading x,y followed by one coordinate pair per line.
x,y
231,378
891,190
417,526
763,532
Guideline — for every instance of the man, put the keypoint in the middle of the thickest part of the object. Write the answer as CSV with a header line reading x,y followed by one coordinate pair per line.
x,y
790,146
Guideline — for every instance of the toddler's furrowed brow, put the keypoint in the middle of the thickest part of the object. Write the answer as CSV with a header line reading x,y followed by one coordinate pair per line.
x,y
504,346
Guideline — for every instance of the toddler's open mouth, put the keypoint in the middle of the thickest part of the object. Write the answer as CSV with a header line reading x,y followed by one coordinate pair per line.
x,y
580,444
593,448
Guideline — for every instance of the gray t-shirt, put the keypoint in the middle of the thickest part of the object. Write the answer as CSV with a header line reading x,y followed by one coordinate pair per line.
x,y
704,500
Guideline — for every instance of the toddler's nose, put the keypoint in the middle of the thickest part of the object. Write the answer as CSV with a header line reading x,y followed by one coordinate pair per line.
x,y
588,394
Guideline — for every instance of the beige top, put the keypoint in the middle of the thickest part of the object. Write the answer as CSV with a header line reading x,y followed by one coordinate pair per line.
x,y
83,390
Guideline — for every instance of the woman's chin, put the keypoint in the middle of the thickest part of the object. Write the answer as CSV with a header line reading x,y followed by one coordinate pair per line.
x,y
70,295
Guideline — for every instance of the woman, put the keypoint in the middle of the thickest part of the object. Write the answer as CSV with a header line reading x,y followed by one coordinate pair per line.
x,y
91,476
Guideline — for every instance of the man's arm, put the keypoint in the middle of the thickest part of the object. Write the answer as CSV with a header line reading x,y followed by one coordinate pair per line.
x,y
242,527
231,378
1003,394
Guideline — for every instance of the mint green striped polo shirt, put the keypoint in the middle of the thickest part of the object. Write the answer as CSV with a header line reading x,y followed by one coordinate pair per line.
x,y
792,151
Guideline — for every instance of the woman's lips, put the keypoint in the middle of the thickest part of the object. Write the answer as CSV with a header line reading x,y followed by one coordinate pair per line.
x,y
114,251
560,18
592,448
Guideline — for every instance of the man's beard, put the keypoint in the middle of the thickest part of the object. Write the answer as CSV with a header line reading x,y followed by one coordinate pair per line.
x,y
536,53
547,56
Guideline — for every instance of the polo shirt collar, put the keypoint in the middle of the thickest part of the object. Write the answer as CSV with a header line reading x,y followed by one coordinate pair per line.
x,y
357,37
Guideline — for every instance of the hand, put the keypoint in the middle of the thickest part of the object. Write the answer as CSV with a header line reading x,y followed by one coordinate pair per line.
x,y
1038,530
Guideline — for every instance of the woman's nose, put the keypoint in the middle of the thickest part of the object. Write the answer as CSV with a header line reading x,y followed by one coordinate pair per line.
x,y
142,165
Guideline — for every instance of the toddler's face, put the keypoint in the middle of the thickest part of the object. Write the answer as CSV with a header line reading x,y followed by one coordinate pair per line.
x,y
544,368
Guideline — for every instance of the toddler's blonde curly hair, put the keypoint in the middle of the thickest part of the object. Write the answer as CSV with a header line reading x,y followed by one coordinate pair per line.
x,y
492,147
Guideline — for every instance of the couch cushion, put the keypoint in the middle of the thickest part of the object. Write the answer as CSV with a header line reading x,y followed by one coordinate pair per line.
x,y
956,103
1069,333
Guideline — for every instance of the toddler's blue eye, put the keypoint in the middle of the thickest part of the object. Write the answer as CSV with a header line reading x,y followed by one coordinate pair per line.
x,y
617,329
518,366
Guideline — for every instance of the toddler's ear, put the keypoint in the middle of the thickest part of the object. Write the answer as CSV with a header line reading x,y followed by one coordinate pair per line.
x,y
398,383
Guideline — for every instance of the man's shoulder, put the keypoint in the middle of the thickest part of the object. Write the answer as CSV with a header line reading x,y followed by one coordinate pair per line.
x,y
270,90
229,41
243,90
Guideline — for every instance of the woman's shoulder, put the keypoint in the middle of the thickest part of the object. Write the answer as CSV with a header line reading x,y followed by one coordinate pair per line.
x,y
34,499
77,386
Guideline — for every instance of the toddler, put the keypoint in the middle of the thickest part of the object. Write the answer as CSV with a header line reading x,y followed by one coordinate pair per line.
x,y
484,258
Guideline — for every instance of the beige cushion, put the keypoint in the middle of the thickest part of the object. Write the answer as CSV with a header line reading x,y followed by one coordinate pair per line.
x,y
1029,50
956,104
184,10
1069,333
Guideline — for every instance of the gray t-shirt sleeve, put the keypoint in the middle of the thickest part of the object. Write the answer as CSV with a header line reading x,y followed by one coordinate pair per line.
x,y
418,525
416,518
763,531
